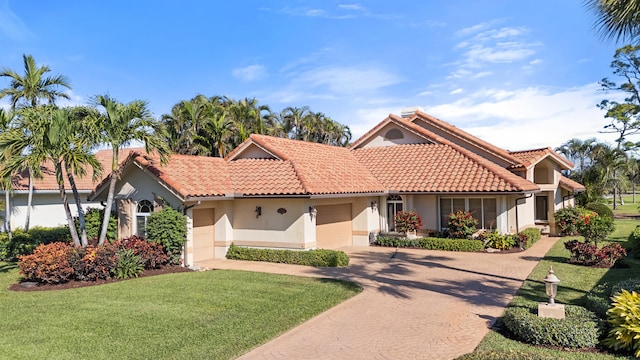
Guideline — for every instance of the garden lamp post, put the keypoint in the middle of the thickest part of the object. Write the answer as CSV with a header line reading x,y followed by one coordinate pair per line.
x,y
551,284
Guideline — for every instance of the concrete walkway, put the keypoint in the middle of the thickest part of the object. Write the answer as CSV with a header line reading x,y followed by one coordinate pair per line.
x,y
416,304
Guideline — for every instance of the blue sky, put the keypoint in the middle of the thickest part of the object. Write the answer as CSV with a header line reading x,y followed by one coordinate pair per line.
x,y
520,74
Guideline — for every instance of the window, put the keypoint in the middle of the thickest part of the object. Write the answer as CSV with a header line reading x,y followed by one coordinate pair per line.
x,y
394,134
394,205
143,210
483,209
542,206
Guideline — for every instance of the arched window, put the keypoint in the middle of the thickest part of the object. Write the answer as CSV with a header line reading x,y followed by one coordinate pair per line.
x,y
394,204
143,210
394,134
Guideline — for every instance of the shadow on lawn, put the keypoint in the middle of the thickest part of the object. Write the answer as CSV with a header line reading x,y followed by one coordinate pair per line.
x,y
7,267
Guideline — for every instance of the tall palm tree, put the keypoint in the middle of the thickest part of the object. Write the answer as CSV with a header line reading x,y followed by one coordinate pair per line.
x,y
619,19
29,89
120,125
610,161
6,117
579,151
33,85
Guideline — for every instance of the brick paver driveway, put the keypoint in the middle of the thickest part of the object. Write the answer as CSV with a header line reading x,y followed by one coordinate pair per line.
x,y
416,304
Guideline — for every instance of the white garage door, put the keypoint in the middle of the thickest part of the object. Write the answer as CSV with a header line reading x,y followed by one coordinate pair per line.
x,y
203,234
333,226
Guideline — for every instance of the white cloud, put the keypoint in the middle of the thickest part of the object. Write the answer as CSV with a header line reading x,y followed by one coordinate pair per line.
x,y
456,91
354,80
11,25
250,73
355,7
527,118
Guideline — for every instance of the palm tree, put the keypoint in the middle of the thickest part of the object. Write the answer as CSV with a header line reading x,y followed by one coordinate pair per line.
x,y
617,19
579,151
29,89
609,162
120,125
33,86
6,117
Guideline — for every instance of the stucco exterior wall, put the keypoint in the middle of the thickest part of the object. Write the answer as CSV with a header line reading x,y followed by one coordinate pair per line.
x,y
46,209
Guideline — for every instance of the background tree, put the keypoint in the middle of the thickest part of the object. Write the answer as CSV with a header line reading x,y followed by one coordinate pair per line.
x,y
619,19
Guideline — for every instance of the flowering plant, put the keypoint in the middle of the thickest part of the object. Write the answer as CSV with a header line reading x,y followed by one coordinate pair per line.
x,y
462,224
407,221
594,227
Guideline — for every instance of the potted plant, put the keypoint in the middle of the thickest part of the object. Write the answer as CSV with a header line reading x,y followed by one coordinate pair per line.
x,y
408,222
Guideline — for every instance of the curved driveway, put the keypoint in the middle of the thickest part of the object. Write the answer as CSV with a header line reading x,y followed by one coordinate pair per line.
x,y
416,304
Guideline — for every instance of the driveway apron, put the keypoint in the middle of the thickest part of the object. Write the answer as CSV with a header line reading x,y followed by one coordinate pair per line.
x,y
415,304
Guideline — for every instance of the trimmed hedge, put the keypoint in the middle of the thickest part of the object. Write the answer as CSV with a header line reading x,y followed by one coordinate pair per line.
x,y
600,209
23,243
319,257
504,354
580,329
430,243
532,236
634,239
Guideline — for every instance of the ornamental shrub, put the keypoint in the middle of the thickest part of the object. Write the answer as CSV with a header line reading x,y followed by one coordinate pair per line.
x,y
48,264
597,300
495,240
407,221
587,254
600,209
628,284
580,328
129,264
634,239
23,243
462,225
528,237
151,254
431,243
99,262
93,224
319,257
168,227
624,318
593,227
505,354
567,220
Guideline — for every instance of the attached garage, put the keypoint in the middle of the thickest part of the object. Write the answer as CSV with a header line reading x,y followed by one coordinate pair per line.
x,y
203,234
333,226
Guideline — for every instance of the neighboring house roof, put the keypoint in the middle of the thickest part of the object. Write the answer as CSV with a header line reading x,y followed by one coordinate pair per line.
x,y
571,185
85,183
532,157
437,168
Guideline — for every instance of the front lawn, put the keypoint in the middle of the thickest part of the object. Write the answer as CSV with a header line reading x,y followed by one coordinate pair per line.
x,y
199,315
575,282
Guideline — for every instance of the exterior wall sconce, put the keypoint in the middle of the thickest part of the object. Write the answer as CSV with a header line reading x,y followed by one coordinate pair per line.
x,y
374,205
313,212
258,211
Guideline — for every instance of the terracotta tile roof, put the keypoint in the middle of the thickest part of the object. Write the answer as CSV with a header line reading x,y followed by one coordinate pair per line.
x,y
322,169
264,177
85,183
571,185
533,156
438,168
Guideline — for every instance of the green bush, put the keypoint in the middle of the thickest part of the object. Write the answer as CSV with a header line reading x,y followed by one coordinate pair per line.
x,y
407,221
23,243
168,227
624,317
529,236
320,257
628,284
93,224
504,354
495,240
634,239
595,228
597,300
580,328
462,224
430,243
129,264
567,220
600,209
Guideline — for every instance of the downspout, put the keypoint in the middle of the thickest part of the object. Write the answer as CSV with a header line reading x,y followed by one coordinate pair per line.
x,y
517,221
184,250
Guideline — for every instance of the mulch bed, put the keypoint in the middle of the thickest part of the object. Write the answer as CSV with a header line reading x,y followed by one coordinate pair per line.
x,y
21,286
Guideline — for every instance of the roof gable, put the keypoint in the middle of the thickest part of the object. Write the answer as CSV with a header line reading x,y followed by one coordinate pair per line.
x,y
532,157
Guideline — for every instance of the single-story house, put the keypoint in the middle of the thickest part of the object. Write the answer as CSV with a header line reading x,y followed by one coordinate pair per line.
x,y
278,193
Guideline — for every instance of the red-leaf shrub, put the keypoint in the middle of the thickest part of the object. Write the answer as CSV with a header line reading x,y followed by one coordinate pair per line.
x,y
462,225
583,253
407,221
151,254
100,261
48,264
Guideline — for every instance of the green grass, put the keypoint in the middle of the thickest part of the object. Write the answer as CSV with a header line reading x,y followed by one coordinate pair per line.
x,y
200,315
575,282
629,206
